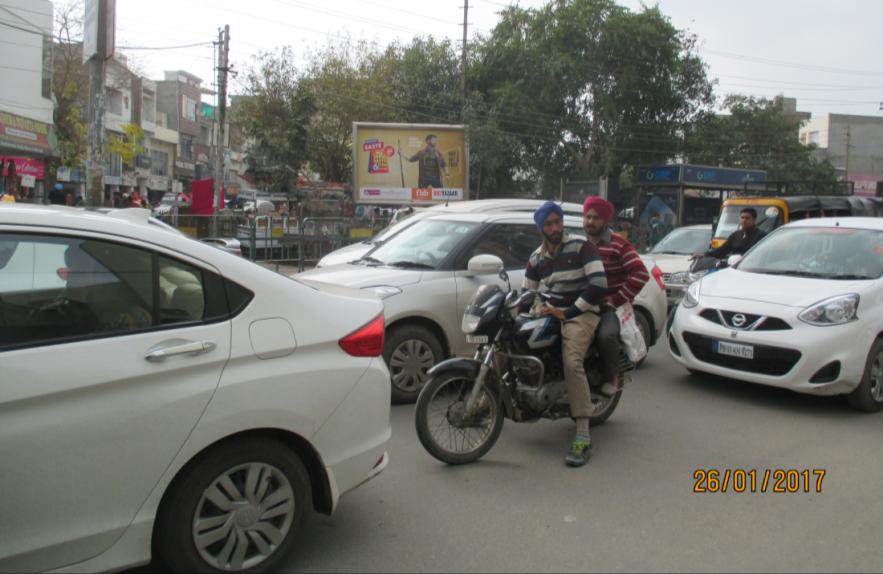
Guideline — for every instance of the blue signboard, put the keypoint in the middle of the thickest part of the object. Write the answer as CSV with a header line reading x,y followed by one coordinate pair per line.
x,y
721,176
659,174
698,175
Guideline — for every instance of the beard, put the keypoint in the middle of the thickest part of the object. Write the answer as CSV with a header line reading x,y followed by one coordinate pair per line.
x,y
554,238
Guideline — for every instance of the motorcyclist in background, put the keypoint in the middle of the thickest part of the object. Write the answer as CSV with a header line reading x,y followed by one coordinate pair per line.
x,y
570,268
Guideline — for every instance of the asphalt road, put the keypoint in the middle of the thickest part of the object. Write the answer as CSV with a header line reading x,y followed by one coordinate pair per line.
x,y
633,506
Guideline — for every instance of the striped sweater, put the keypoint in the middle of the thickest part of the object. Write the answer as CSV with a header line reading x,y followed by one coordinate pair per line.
x,y
575,273
626,273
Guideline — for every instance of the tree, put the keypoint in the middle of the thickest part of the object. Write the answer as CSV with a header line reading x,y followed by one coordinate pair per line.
x,y
756,135
70,86
275,117
129,146
587,87
345,89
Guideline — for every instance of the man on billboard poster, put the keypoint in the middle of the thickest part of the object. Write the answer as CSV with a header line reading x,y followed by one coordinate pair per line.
x,y
432,164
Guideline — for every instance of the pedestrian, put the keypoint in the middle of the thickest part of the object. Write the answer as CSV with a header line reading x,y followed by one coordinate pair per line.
x,y
56,196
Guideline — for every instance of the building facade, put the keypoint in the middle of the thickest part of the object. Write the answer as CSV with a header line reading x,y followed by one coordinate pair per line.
x,y
854,146
178,97
27,139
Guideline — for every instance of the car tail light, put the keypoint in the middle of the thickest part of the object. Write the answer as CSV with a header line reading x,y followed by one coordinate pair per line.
x,y
367,341
657,274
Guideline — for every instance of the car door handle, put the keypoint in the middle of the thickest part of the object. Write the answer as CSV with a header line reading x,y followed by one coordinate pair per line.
x,y
175,347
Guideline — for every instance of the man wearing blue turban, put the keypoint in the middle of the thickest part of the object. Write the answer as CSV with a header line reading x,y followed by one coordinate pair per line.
x,y
570,268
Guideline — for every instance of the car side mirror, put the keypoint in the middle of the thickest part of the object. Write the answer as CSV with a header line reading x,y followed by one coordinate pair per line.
x,y
484,265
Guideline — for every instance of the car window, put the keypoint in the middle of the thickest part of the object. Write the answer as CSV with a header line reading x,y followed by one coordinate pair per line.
x,y
181,292
425,244
823,252
511,243
53,289
97,288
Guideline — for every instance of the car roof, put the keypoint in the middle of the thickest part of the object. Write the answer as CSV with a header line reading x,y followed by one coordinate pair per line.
x,y
512,204
873,223
499,216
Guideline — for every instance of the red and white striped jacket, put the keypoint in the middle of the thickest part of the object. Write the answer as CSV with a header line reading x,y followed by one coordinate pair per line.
x,y
626,273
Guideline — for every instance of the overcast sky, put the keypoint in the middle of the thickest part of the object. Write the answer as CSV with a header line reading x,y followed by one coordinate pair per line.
x,y
826,53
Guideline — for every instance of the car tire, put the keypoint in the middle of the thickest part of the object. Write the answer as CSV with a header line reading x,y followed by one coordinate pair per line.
x,y
644,328
281,480
868,396
410,351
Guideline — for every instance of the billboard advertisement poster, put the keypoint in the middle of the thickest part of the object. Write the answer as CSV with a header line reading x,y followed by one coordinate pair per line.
x,y
409,163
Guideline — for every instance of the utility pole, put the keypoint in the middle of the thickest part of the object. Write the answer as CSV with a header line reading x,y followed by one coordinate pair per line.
x,y
100,30
463,61
848,145
223,68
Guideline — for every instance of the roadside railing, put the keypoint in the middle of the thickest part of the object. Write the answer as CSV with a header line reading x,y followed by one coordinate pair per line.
x,y
278,239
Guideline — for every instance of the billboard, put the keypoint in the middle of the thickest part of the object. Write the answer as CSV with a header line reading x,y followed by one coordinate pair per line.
x,y
402,164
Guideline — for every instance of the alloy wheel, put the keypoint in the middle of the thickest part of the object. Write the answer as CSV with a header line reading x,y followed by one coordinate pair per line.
x,y
243,516
876,378
409,364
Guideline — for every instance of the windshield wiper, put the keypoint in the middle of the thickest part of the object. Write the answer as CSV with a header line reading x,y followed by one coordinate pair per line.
x,y
369,259
846,277
414,264
670,253
787,272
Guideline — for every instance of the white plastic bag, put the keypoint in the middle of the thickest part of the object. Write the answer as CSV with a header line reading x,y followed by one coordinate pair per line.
x,y
632,340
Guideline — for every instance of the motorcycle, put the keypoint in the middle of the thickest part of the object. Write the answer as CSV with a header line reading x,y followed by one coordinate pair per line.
x,y
517,373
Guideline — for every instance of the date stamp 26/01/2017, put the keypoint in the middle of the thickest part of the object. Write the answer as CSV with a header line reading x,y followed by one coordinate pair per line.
x,y
741,480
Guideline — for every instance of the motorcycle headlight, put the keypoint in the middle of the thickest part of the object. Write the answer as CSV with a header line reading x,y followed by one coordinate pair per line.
x,y
384,291
470,323
691,297
834,311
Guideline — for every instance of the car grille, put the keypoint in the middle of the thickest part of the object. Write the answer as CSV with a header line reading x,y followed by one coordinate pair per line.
x,y
748,322
768,360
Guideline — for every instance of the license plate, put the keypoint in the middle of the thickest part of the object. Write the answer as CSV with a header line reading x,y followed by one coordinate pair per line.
x,y
476,339
733,349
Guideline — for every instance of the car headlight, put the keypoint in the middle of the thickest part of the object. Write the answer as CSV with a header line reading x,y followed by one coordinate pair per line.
x,y
679,278
693,277
384,291
470,323
691,297
834,311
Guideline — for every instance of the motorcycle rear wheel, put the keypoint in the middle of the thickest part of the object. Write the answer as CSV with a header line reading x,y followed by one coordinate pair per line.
x,y
442,428
607,406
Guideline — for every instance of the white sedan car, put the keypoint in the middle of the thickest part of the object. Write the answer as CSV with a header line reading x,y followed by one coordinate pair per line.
x,y
421,273
803,310
160,394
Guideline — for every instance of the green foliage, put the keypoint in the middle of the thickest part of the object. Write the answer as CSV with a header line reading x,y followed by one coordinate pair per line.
x,y
756,135
275,116
129,145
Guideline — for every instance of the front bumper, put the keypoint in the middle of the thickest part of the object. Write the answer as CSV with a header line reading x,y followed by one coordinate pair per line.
x,y
787,358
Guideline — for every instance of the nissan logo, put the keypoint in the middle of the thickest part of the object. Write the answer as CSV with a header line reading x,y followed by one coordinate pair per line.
x,y
738,320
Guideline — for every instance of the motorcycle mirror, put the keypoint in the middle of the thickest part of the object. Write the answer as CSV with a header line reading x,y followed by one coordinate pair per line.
x,y
505,277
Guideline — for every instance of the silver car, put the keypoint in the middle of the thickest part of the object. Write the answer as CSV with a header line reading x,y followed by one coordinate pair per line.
x,y
421,274
356,250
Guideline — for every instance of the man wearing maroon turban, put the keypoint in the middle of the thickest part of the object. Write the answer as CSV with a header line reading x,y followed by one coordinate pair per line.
x,y
626,276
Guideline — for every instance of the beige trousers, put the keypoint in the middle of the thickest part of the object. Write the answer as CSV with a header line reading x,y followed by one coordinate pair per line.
x,y
577,335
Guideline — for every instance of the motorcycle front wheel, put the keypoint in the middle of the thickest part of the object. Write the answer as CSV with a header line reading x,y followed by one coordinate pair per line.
x,y
444,428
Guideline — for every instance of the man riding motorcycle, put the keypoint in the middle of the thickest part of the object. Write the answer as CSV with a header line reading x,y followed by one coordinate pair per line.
x,y
570,268
626,276
741,240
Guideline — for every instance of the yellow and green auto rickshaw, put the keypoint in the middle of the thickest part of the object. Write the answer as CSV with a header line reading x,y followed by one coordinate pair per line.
x,y
773,212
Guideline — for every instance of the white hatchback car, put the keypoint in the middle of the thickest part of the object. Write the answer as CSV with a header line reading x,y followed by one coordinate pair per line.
x,y
803,310
421,273
159,393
